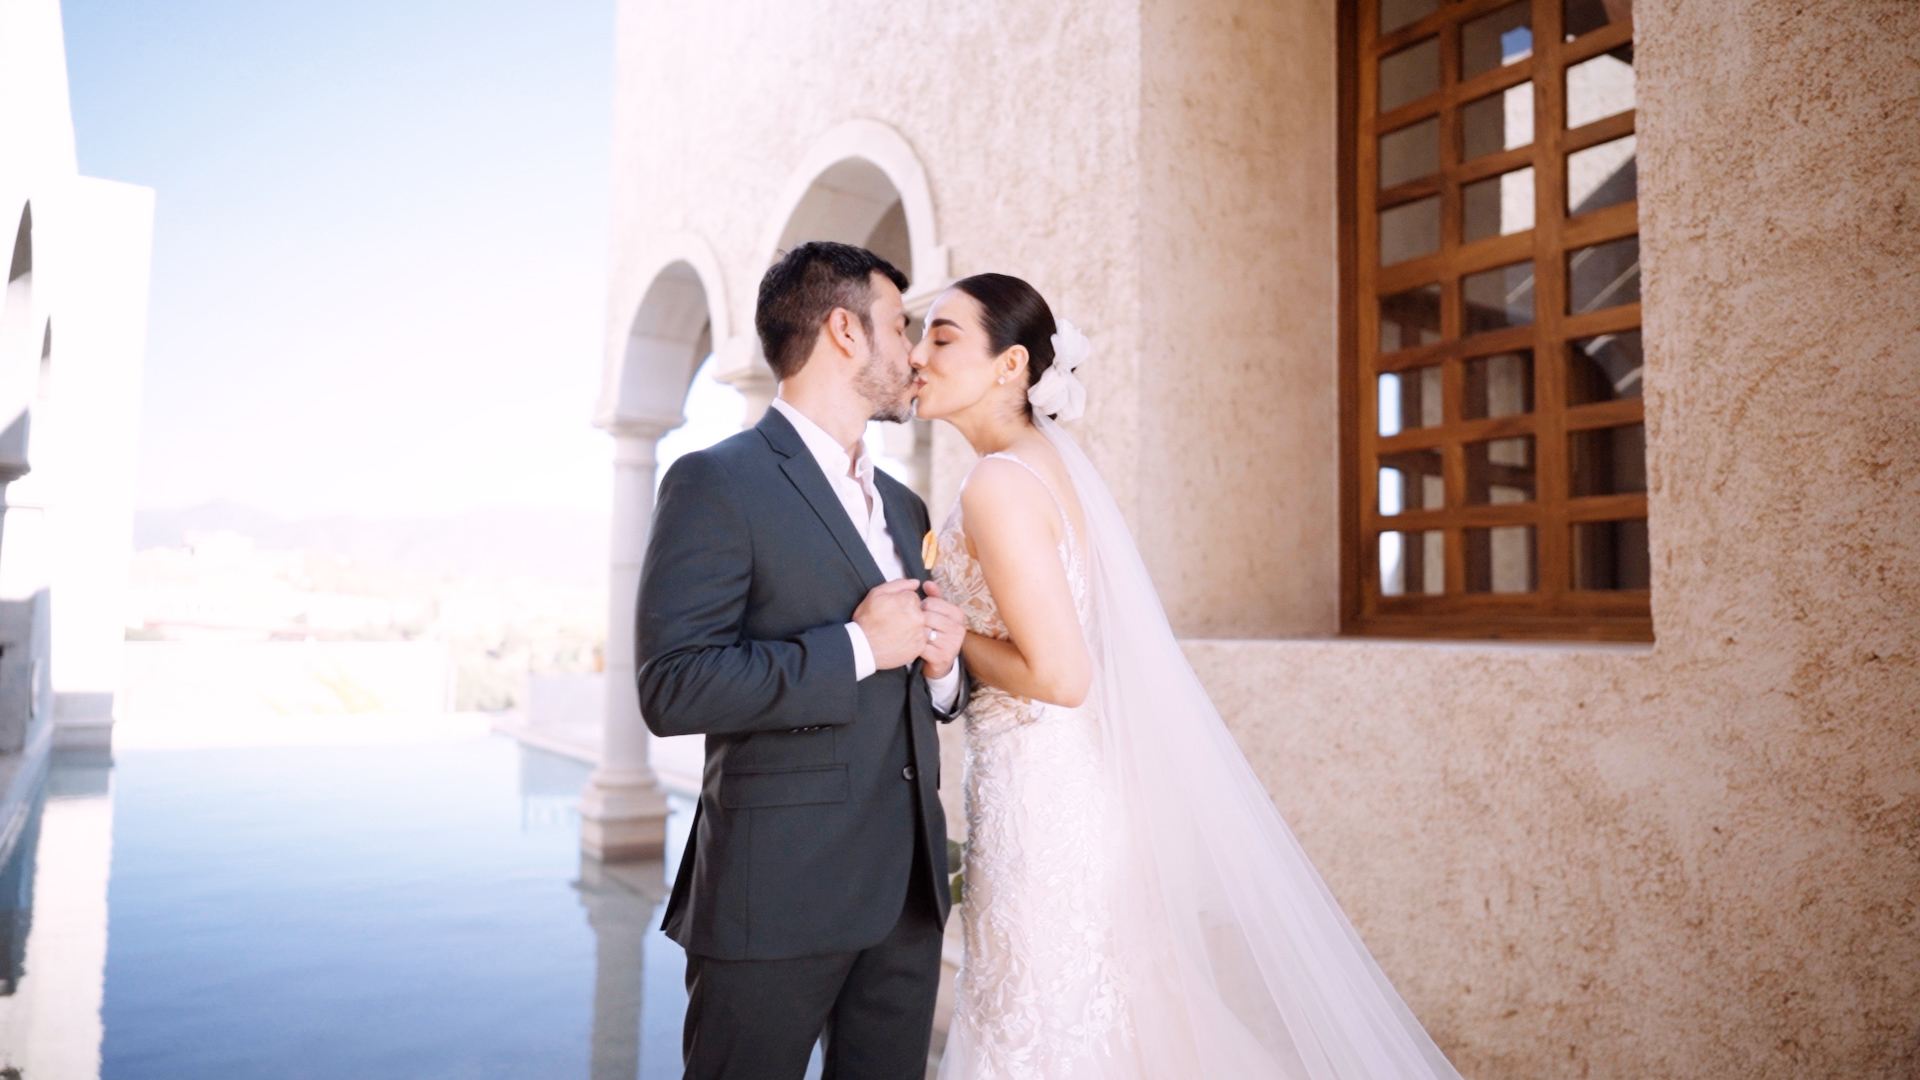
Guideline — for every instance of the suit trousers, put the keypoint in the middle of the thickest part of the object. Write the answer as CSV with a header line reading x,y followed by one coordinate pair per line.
x,y
758,1019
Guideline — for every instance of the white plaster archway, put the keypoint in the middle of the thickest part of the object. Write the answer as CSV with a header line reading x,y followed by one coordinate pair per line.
x,y
20,338
860,183
647,369
831,195
677,321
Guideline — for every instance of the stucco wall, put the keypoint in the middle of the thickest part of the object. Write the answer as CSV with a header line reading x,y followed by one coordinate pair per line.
x,y
1238,287
1163,174
1024,116
1697,859
1700,859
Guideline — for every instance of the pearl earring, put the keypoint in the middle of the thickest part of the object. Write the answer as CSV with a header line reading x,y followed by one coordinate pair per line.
x,y
1001,381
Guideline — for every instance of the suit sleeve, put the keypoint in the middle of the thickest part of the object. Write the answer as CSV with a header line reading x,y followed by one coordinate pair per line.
x,y
697,671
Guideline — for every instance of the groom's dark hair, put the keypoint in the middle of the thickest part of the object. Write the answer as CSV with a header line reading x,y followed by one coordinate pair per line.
x,y
802,289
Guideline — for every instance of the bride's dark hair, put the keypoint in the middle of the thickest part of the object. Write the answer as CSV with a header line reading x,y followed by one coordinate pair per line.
x,y
1014,313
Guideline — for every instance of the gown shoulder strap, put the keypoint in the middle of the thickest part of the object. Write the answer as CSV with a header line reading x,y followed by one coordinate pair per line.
x,y
1072,543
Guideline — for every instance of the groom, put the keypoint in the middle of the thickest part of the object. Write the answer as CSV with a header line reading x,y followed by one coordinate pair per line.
x,y
781,616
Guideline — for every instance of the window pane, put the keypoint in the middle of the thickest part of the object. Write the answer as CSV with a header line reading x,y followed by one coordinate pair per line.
x,y
1607,461
1410,230
1497,206
1411,480
1497,122
1502,37
1611,555
1601,176
1498,386
1599,88
1604,368
1500,471
1410,153
1603,276
1410,318
1501,560
1409,399
1395,14
1410,74
1586,16
1413,563
1499,297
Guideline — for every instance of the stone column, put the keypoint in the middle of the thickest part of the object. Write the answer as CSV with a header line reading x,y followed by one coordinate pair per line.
x,y
621,917
623,814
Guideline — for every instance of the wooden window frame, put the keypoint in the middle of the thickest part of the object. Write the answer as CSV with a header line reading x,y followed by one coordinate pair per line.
x,y
1554,610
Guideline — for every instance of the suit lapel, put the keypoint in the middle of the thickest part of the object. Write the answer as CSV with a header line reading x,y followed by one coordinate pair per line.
x,y
804,472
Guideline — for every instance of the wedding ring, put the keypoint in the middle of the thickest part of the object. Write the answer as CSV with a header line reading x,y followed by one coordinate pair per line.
x,y
933,635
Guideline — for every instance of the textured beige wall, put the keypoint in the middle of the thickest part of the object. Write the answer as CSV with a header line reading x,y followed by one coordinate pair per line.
x,y
1238,291
1025,117
1700,859
1164,176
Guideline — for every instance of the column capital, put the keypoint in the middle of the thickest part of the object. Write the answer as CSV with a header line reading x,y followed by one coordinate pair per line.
x,y
647,428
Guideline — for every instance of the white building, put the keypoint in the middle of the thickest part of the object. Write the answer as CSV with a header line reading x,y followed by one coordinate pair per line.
x,y
72,336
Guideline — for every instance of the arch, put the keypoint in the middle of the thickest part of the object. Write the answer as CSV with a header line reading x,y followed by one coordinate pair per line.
x,y
677,321
861,183
43,386
20,348
678,318
21,264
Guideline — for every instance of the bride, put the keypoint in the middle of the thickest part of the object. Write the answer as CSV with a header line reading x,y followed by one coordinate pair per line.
x,y
1135,907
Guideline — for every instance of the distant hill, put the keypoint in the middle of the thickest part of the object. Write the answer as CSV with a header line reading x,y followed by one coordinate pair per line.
x,y
564,546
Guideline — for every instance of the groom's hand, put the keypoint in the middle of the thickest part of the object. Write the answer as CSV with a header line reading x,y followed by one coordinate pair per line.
x,y
896,629
949,632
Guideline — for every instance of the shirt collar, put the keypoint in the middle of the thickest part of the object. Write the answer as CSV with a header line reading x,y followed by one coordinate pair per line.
x,y
825,449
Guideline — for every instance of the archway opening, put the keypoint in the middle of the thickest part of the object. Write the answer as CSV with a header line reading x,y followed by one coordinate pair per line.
x,y
22,263
669,345
21,346
670,367
854,202
672,334
713,411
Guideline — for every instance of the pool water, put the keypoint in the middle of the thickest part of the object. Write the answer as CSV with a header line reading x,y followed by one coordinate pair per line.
x,y
396,911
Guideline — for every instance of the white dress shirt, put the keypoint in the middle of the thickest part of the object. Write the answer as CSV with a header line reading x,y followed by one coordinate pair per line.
x,y
852,481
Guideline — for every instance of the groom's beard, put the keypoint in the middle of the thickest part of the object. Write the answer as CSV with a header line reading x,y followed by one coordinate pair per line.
x,y
888,396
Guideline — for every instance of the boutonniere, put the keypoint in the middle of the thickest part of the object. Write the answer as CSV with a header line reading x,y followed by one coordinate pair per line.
x,y
929,550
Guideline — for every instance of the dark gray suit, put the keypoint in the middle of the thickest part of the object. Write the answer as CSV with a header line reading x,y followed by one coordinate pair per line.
x,y
813,891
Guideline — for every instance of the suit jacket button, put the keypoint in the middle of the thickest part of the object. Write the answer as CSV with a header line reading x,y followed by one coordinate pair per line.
x,y
906,773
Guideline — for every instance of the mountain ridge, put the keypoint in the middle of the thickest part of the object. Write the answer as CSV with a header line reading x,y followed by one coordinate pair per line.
x,y
559,545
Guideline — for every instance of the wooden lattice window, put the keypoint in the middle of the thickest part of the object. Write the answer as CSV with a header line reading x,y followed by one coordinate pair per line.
x,y
1495,473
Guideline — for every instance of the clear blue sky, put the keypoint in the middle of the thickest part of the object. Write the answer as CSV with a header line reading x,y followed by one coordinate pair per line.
x,y
379,250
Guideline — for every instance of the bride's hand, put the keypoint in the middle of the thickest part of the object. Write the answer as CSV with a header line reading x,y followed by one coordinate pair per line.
x,y
948,631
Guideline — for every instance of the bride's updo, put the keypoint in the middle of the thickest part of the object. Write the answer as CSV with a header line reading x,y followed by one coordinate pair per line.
x,y
1014,313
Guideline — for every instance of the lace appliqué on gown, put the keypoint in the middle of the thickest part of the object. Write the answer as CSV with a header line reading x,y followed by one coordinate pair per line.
x,y
1039,993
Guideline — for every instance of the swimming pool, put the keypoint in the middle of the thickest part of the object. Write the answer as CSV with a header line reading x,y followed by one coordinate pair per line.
x,y
394,911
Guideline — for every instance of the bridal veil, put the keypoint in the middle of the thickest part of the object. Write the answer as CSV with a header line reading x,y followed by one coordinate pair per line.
x,y
1239,960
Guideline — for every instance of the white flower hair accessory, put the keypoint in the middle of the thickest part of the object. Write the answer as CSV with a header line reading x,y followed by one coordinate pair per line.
x,y
1059,393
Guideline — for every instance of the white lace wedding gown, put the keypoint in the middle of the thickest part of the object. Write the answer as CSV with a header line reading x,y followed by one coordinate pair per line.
x,y
1040,994
1134,908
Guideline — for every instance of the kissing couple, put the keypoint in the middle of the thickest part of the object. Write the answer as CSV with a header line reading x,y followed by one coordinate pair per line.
x,y
1134,906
